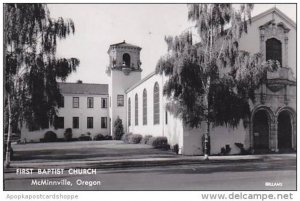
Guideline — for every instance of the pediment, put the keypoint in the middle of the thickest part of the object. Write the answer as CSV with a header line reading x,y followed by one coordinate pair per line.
x,y
282,17
272,25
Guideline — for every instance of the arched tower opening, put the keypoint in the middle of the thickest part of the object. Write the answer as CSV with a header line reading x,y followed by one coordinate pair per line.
x,y
126,60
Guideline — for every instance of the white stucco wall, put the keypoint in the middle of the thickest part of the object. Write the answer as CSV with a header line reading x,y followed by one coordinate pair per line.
x,y
68,112
219,137
172,129
150,128
119,83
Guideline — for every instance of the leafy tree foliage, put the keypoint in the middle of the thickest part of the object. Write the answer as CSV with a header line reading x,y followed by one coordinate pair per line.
x,y
31,66
212,80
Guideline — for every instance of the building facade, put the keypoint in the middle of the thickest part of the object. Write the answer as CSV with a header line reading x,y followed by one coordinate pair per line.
x,y
84,108
142,107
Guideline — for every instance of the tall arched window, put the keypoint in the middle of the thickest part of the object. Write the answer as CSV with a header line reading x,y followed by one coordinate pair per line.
x,y
145,107
156,104
129,112
274,50
136,110
126,59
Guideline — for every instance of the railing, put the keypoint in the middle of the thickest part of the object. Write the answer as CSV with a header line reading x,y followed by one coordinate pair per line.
x,y
282,73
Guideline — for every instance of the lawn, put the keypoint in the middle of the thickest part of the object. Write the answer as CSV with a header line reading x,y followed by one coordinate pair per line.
x,y
84,150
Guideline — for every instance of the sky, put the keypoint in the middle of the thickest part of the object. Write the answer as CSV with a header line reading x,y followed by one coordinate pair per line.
x,y
99,25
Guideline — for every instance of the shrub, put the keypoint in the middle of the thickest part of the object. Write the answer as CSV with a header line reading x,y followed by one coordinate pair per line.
x,y
225,150
125,137
160,142
165,147
176,148
50,136
85,137
118,129
107,137
151,140
135,138
145,139
99,137
68,134
243,151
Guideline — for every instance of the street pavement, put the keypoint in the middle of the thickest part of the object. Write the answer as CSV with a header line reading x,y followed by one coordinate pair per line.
x,y
272,172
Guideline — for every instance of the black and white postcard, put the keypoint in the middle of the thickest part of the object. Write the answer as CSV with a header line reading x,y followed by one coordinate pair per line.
x,y
150,97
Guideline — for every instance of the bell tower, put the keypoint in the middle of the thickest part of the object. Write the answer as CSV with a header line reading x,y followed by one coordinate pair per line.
x,y
124,70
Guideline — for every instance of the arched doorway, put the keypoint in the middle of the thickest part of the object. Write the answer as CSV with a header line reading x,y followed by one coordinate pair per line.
x,y
284,131
261,131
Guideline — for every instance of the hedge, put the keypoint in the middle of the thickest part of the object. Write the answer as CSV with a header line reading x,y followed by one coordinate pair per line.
x,y
135,138
125,137
145,139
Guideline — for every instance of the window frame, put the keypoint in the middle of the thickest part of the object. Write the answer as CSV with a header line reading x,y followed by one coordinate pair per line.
x,y
105,105
92,123
61,103
166,117
156,104
120,99
145,107
270,50
129,112
106,124
136,110
73,125
88,102
73,103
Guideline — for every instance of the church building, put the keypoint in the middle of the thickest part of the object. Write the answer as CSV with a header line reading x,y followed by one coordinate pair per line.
x,y
141,105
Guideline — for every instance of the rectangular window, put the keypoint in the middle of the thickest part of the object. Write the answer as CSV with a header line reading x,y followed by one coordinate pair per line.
x,y
61,102
75,122
103,102
59,122
120,100
103,122
75,102
90,102
90,122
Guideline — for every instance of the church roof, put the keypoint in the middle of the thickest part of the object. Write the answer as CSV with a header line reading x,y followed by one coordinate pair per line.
x,y
83,88
278,12
140,82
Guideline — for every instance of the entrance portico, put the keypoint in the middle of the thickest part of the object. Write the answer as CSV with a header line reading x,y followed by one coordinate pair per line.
x,y
272,131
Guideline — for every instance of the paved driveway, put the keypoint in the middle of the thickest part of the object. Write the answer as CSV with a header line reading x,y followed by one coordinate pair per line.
x,y
84,150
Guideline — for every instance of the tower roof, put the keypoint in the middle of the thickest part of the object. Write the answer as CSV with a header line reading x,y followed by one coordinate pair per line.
x,y
123,44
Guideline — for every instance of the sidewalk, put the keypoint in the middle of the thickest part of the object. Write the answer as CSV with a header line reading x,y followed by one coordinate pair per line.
x,y
115,162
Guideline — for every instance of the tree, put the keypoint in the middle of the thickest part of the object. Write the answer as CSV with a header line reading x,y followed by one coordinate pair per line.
x,y
31,67
213,80
118,129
